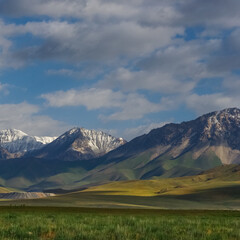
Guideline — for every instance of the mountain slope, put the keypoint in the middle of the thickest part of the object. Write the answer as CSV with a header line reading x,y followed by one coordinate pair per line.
x,y
16,141
4,154
217,131
222,176
218,188
174,150
80,144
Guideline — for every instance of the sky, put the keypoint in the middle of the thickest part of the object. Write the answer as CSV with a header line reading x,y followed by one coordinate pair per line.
x,y
124,67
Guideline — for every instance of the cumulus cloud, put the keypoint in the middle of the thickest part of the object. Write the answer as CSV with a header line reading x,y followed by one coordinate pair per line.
x,y
175,69
25,116
4,88
131,133
87,72
146,46
227,57
104,30
76,42
231,85
53,8
125,106
112,30
150,13
94,10
218,13
5,45
202,104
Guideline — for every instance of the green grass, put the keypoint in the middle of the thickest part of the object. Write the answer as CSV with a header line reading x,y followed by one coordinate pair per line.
x,y
127,224
206,161
218,188
7,190
215,181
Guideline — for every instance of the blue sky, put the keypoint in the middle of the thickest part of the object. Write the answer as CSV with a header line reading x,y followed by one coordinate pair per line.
x,y
124,67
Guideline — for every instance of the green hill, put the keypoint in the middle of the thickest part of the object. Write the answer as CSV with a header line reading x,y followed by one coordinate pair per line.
x,y
218,188
219,177
7,190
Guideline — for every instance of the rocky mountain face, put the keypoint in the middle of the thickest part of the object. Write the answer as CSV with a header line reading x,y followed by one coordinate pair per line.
x,y
16,141
218,132
4,154
79,144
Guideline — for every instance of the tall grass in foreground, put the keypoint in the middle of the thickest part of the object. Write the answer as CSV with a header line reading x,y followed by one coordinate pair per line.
x,y
121,226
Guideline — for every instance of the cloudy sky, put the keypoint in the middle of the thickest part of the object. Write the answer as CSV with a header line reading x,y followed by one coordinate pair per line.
x,y
120,66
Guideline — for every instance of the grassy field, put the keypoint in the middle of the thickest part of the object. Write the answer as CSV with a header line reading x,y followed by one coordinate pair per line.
x,y
215,189
119,224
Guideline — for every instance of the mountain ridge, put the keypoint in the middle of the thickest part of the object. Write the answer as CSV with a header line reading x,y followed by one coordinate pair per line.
x,y
15,141
201,130
174,150
79,144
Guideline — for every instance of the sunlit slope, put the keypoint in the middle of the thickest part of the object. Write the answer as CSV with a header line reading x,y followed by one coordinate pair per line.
x,y
215,189
220,177
6,190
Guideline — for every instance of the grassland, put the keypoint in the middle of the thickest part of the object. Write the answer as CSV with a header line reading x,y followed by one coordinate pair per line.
x,y
104,224
215,189
133,210
7,190
219,177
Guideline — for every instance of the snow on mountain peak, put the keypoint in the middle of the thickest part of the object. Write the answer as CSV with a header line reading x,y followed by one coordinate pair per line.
x,y
81,143
10,135
101,142
220,122
15,140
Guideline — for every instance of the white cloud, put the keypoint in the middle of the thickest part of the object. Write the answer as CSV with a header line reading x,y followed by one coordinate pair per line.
x,y
4,88
157,12
78,42
136,42
131,133
125,106
227,57
217,13
214,13
25,116
105,31
231,85
88,72
175,69
202,104
91,98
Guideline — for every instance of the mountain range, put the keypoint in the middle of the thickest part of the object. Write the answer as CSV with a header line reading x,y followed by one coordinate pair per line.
x,y
75,144
79,144
16,141
82,157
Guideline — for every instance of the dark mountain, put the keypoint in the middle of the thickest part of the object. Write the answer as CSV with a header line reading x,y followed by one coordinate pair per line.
x,y
175,149
4,154
217,131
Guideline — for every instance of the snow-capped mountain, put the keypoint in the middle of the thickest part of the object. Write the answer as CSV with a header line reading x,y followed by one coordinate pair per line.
x,y
17,141
80,144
